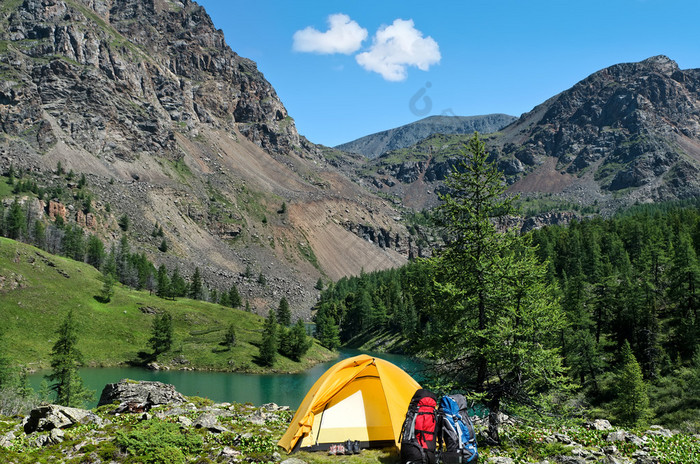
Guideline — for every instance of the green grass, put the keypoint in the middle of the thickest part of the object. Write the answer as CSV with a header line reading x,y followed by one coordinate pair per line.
x,y
10,5
114,333
5,187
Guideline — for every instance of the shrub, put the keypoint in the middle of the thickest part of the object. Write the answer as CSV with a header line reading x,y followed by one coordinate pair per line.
x,y
156,441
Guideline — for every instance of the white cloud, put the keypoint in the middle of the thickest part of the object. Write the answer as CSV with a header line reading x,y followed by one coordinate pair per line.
x,y
396,47
343,36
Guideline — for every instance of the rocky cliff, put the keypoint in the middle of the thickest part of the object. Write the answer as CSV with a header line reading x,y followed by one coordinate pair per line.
x,y
379,143
172,128
628,133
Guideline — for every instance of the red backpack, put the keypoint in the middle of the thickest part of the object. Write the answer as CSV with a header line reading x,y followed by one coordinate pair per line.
x,y
418,430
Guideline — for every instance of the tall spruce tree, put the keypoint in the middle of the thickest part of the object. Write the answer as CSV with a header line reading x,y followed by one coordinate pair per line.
x,y
269,343
496,314
230,336
284,315
163,288
632,402
234,298
196,290
161,333
65,361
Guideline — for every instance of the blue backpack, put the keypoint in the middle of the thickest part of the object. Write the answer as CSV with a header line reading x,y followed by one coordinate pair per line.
x,y
455,431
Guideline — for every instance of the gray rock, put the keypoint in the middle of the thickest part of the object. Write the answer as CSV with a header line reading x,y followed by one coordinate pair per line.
x,y
570,460
615,460
210,422
599,424
258,417
642,457
618,435
184,421
6,440
657,430
52,416
144,393
499,460
39,440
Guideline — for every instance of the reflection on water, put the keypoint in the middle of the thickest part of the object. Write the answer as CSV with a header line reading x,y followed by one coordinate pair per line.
x,y
283,389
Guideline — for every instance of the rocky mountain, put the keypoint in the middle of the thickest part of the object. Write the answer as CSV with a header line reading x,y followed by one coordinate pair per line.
x,y
628,133
173,129
376,144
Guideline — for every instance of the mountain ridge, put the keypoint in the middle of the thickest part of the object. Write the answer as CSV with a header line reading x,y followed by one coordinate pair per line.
x,y
376,144
628,133
170,127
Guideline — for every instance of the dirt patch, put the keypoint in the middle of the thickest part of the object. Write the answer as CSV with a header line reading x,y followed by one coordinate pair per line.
x,y
545,179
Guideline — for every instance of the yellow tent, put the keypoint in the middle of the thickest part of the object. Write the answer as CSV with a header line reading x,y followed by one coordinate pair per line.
x,y
361,398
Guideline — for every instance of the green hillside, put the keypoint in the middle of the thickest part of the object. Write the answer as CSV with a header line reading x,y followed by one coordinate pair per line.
x,y
38,289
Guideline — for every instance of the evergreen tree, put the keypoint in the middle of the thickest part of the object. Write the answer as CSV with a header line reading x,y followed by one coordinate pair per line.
x,y
298,343
65,361
39,234
230,336
632,402
319,284
124,222
178,286
196,290
15,223
161,333
163,246
234,298
684,292
269,343
496,312
95,253
261,279
327,331
284,315
247,305
23,388
109,265
107,290
163,289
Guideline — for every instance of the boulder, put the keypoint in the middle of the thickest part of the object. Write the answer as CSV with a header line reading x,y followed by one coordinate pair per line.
x,y
658,431
143,393
210,422
598,424
617,435
38,440
53,416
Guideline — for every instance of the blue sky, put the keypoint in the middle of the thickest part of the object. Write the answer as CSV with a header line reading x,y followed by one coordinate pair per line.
x,y
459,57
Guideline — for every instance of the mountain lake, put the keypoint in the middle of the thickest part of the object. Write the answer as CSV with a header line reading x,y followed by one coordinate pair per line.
x,y
258,389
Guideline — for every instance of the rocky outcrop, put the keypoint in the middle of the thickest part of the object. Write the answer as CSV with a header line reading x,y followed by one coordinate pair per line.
x,y
57,209
125,85
52,416
143,394
169,126
628,133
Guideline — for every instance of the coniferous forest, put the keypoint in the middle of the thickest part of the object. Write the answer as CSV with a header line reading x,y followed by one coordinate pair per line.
x,y
629,290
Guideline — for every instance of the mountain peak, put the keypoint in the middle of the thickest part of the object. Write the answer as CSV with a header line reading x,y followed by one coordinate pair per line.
x,y
661,63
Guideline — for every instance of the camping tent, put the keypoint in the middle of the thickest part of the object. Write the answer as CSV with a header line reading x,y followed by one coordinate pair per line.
x,y
360,398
